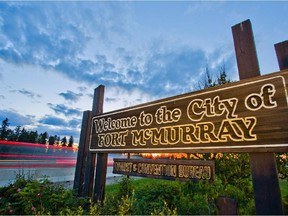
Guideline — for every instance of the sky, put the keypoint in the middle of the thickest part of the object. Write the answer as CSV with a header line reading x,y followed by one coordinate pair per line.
x,y
53,54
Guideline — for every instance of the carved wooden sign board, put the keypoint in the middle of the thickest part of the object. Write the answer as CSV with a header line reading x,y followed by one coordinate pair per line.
x,y
245,116
182,170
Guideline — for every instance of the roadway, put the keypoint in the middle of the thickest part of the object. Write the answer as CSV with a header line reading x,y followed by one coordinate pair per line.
x,y
59,171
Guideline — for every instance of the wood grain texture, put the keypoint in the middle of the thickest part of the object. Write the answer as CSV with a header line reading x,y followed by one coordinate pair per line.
x,y
218,118
83,150
282,54
182,170
266,188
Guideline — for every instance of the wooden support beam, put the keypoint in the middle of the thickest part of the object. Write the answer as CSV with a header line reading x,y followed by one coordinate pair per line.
x,y
100,180
245,49
102,158
83,150
282,54
97,108
89,175
266,184
263,167
226,206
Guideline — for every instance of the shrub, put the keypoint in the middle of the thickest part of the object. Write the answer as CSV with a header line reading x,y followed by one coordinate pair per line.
x,y
28,196
155,197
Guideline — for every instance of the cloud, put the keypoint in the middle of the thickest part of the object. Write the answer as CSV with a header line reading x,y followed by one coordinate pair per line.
x,y
71,96
74,123
111,100
82,89
52,120
60,131
95,45
51,124
29,33
172,71
27,93
62,109
2,97
16,118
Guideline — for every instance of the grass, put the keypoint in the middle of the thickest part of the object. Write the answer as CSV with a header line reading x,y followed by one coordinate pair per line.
x,y
284,188
137,183
146,182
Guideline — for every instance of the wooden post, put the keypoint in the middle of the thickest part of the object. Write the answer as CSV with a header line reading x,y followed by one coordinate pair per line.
x,y
100,180
282,54
245,50
226,206
101,165
89,175
97,108
263,167
82,152
128,157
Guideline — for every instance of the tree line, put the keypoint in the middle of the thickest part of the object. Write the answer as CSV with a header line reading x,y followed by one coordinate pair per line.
x,y
21,134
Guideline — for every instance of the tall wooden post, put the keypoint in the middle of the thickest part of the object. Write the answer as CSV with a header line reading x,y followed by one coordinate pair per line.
x,y
282,54
89,175
100,180
97,108
101,165
263,166
82,152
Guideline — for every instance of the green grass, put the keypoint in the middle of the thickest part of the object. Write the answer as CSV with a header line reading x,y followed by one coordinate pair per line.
x,y
112,188
146,182
284,188
138,183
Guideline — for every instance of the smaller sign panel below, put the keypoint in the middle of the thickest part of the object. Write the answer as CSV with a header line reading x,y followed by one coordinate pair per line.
x,y
182,170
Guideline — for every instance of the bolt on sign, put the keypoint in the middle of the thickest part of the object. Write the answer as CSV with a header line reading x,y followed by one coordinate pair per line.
x,y
182,170
245,116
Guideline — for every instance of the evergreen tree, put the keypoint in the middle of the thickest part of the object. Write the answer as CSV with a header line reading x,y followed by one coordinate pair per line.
x,y
71,141
21,134
33,137
24,135
222,78
16,133
64,141
4,130
208,81
58,143
43,138
51,140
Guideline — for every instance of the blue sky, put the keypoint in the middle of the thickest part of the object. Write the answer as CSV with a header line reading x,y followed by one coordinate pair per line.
x,y
53,54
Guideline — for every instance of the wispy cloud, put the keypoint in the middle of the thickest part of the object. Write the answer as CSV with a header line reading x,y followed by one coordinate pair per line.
x,y
111,100
90,43
60,131
95,47
52,120
15,118
27,93
59,126
82,89
62,109
71,96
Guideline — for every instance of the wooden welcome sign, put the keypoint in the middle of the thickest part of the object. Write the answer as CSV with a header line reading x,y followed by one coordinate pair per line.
x,y
182,170
245,116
